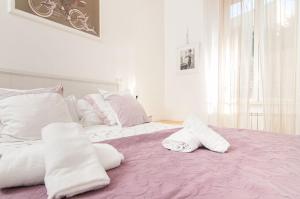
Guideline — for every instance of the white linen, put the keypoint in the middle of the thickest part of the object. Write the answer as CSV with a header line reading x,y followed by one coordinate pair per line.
x,y
87,114
208,137
109,156
7,92
23,116
72,166
103,109
71,101
102,133
182,141
95,133
26,167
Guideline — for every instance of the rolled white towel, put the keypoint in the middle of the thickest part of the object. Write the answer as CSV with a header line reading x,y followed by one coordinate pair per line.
x,y
182,141
26,167
72,165
208,137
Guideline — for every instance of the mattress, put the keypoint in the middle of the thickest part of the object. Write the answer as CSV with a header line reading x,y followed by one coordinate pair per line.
x,y
258,165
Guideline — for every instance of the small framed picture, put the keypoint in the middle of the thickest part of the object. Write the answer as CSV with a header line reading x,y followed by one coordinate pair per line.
x,y
188,58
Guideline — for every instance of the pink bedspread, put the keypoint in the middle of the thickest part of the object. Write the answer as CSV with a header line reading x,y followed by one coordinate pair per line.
x,y
258,166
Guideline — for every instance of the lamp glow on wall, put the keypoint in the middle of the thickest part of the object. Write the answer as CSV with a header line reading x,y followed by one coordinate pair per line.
x,y
128,85
132,87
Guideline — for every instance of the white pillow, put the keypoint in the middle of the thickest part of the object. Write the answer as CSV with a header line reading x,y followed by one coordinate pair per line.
x,y
72,106
103,109
87,114
7,92
24,116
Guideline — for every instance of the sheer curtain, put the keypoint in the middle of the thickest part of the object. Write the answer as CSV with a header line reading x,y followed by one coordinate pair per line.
x,y
258,72
278,60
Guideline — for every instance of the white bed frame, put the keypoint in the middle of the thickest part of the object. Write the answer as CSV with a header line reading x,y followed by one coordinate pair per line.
x,y
72,86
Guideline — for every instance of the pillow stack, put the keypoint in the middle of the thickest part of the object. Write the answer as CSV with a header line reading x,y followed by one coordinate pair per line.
x,y
105,108
23,113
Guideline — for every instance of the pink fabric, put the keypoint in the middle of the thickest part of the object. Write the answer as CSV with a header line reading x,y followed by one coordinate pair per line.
x,y
258,165
129,111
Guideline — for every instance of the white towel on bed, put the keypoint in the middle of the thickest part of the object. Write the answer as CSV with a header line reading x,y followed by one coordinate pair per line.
x,y
182,141
208,137
72,165
23,167
26,167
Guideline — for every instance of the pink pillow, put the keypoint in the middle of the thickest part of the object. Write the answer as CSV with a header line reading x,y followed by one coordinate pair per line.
x,y
129,111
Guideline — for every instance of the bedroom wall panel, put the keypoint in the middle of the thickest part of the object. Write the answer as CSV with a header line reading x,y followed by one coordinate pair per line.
x,y
72,86
132,41
5,80
185,93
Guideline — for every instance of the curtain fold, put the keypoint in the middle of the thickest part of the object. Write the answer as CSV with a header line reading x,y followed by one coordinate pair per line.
x,y
258,72
279,64
234,67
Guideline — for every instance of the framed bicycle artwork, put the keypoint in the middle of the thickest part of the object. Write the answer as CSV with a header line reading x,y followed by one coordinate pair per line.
x,y
77,16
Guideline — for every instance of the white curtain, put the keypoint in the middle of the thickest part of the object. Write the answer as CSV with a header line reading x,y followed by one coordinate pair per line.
x,y
258,72
279,64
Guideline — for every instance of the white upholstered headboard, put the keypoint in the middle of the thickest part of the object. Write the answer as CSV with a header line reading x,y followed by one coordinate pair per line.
x,y
78,87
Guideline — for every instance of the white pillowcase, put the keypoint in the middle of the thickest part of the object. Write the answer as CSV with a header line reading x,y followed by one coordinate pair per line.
x,y
24,116
72,106
87,114
103,109
7,92
94,110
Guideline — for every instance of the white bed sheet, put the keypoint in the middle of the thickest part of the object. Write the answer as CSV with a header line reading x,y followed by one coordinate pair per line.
x,y
95,134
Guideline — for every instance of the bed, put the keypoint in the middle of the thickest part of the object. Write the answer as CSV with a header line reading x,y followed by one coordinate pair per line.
x,y
258,164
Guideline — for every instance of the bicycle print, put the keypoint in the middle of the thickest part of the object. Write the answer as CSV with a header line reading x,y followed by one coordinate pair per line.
x,y
77,14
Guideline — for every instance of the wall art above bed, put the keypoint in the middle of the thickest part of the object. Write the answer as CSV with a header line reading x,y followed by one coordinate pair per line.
x,y
77,16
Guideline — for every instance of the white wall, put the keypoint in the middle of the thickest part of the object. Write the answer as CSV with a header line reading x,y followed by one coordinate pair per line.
x,y
186,93
131,48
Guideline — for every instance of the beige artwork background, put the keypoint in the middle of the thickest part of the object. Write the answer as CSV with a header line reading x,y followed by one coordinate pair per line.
x,y
91,8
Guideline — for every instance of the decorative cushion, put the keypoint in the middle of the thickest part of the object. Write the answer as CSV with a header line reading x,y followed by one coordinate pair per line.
x,y
129,111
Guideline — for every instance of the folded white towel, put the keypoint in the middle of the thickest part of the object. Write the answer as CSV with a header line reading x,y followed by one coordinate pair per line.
x,y
72,166
109,156
23,167
26,167
208,137
182,141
